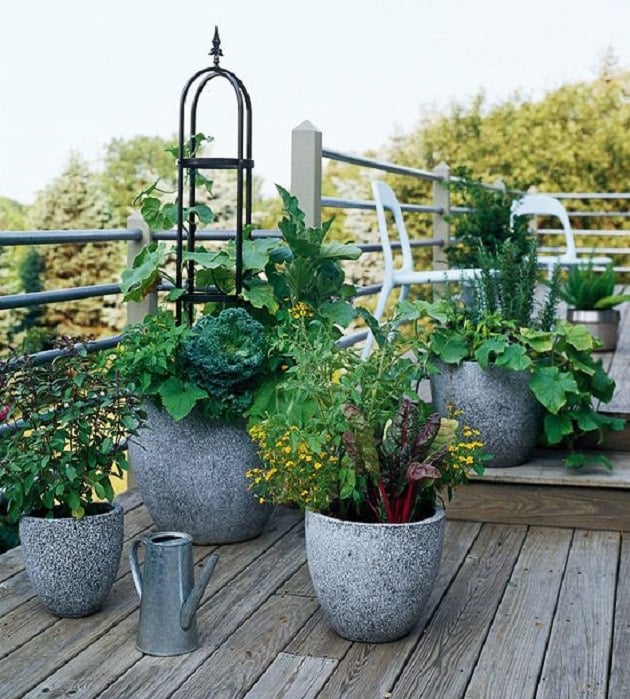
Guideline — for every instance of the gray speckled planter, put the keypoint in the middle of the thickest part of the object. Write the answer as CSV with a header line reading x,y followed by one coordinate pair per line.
x,y
497,402
372,580
192,477
72,564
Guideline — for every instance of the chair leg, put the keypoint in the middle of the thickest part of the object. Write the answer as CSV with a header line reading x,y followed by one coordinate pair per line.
x,y
404,293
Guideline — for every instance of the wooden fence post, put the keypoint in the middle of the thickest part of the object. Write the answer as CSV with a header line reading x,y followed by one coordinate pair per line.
x,y
137,310
441,227
306,170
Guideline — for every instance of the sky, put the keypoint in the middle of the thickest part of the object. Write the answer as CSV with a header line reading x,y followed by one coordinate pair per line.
x,y
76,73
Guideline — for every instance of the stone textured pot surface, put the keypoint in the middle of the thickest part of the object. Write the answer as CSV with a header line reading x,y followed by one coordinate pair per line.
x,y
192,477
373,580
497,402
72,563
602,324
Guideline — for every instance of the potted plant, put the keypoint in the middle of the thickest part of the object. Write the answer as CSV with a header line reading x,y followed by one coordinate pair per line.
x,y
591,297
351,443
60,444
520,375
209,374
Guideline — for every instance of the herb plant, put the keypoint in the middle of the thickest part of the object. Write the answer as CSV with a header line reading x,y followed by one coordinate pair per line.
x,y
587,289
63,427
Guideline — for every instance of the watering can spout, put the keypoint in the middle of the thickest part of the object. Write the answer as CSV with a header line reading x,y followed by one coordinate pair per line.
x,y
189,607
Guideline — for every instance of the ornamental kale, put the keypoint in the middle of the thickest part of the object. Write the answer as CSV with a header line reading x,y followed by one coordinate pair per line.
x,y
223,355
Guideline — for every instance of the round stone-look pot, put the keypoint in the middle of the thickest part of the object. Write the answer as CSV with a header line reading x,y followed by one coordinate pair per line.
x,y
603,325
497,402
72,563
191,475
373,580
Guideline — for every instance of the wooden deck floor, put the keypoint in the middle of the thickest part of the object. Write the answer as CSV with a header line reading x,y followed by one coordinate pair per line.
x,y
518,611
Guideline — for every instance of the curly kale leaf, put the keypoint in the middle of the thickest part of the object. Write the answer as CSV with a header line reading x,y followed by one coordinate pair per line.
x,y
223,355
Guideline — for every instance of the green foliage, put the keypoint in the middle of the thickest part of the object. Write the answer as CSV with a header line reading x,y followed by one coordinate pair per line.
x,y
350,438
487,225
587,289
64,423
75,200
222,355
565,377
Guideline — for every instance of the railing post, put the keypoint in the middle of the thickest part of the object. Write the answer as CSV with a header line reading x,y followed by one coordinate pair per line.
x,y
137,310
306,170
441,227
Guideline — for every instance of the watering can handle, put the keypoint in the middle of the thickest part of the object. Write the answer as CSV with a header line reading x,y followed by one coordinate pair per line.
x,y
135,565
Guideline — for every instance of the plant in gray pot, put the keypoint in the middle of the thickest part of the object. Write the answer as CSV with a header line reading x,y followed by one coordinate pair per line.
x,y
520,376
353,446
190,459
591,297
60,443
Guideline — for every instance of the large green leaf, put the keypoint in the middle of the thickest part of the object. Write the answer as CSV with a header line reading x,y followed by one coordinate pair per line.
x,y
144,274
515,357
340,251
256,253
557,427
579,337
260,294
179,397
538,340
550,386
495,345
339,312
450,346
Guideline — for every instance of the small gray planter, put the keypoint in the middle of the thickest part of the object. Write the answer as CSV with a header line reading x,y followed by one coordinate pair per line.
x,y
602,324
192,477
72,563
497,402
373,580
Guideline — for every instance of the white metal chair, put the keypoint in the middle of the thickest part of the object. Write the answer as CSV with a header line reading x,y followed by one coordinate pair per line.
x,y
405,275
546,205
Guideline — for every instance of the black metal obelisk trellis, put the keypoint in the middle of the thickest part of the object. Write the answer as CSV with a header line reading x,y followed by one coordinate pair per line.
x,y
187,167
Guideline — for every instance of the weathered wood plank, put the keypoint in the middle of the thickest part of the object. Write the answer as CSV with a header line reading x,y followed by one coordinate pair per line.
x,y
370,670
550,506
443,660
620,368
18,589
295,676
299,584
518,636
318,639
579,646
619,666
47,652
238,663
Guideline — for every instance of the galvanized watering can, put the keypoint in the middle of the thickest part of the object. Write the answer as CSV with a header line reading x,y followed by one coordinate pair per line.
x,y
169,596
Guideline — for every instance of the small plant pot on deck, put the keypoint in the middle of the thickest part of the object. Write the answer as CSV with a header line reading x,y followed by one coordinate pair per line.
x,y
72,563
373,580
602,324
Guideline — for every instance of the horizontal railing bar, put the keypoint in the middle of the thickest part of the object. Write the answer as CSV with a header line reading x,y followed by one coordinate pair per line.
x,y
368,290
379,165
428,243
589,195
336,203
56,237
351,339
585,250
41,298
210,234
598,214
577,232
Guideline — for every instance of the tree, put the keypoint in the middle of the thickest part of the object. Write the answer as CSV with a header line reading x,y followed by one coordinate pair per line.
x,y
75,200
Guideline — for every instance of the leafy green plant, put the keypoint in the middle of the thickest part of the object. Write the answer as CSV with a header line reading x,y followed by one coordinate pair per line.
x,y
211,366
63,425
565,378
486,224
351,439
587,289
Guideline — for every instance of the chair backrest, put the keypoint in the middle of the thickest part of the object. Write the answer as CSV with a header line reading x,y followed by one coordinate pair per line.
x,y
384,198
546,205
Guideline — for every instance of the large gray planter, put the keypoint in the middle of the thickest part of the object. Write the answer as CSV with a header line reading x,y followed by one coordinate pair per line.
x,y
192,477
602,324
497,402
72,563
373,580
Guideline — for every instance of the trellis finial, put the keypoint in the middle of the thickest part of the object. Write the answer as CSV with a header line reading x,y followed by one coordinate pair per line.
x,y
216,47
